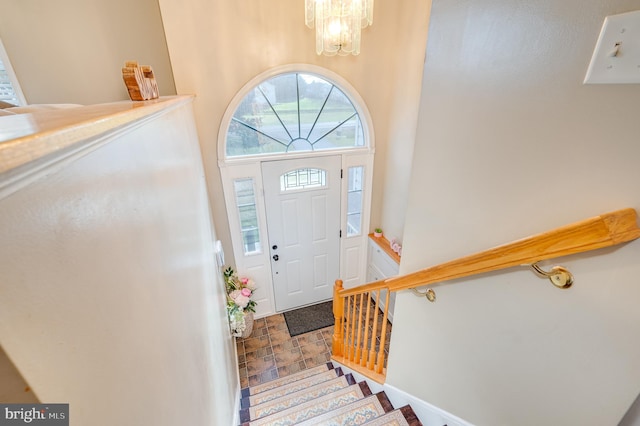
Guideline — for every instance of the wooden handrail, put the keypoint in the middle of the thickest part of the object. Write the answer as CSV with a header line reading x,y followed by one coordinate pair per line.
x,y
597,232
360,333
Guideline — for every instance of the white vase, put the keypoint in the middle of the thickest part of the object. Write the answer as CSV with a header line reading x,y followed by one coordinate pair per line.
x,y
248,322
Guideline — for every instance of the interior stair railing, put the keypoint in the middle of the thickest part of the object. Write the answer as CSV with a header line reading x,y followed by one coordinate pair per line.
x,y
362,331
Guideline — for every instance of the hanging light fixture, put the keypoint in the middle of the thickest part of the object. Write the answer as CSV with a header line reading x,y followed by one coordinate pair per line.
x,y
338,24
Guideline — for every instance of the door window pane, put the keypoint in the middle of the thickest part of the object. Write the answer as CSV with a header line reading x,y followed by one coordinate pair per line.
x,y
354,201
247,215
303,179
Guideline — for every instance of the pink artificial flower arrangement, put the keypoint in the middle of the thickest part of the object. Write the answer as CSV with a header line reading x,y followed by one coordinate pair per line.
x,y
239,292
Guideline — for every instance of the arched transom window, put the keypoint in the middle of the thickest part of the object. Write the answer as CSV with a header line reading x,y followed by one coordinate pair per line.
x,y
293,112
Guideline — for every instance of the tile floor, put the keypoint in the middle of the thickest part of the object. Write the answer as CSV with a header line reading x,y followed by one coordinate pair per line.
x,y
270,352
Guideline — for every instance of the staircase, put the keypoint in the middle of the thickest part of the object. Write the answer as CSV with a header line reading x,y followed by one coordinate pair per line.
x,y
320,396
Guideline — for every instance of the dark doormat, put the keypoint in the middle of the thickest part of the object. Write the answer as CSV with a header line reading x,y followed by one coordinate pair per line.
x,y
310,318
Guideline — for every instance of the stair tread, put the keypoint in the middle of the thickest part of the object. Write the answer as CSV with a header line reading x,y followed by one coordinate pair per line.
x,y
293,387
320,396
394,418
401,417
263,387
357,413
300,396
313,408
410,415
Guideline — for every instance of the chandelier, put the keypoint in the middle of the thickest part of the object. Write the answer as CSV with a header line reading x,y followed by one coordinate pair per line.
x,y
338,24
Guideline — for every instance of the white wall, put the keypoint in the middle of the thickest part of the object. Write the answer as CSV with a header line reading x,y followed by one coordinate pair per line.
x,y
218,46
111,300
72,51
511,143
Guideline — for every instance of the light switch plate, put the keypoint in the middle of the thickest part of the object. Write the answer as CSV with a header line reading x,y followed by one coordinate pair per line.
x,y
616,57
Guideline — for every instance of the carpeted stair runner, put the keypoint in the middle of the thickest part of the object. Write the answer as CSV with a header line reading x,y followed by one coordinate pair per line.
x,y
320,396
287,379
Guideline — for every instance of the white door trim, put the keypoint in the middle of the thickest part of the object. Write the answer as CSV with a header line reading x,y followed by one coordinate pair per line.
x,y
353,250
254,265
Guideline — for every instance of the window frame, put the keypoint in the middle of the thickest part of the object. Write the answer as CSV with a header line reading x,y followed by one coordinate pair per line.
x,y
259,104
239,214
359,168
339,82
13,79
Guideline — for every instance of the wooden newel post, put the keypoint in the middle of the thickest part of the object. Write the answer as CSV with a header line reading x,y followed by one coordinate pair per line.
x,y
338,312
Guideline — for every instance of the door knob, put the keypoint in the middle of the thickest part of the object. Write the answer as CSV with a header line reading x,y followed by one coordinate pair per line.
x,y
274,247
276,257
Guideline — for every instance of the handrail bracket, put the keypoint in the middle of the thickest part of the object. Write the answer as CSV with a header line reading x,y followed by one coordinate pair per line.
x,y
558,275
429,294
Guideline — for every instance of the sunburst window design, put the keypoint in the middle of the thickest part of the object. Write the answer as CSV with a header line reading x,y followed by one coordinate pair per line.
x,y
291,113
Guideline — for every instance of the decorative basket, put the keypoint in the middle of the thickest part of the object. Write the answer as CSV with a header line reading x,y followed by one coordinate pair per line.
x,y
248,322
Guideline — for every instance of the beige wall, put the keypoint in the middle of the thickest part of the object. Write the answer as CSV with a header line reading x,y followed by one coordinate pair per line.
x,y
13,388
72,51
511,143
111,300
218,46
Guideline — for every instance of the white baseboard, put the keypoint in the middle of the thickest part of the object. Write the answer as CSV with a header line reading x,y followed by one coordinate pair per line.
x,y
236,415
236,411
429,414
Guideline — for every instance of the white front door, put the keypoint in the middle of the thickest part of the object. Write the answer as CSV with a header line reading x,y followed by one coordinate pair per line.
x,y
302,201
